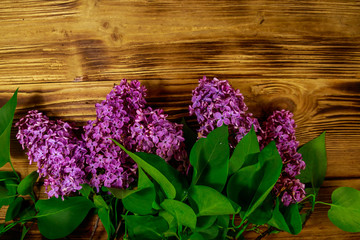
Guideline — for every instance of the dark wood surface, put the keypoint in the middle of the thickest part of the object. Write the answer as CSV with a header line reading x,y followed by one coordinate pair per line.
x,y
65,55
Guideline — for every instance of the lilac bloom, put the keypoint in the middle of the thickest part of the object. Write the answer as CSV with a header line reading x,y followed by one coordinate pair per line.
x,y
215,102
280,127
56,150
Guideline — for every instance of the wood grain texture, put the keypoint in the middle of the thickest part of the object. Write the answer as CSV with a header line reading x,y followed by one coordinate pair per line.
x,y
65,55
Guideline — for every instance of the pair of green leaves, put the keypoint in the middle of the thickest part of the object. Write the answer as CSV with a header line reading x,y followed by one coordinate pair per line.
x,y
254,175
345,207
25,187
344,211
286,218
251,184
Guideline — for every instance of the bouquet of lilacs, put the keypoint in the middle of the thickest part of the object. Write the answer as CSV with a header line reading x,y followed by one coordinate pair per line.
x,y
148,178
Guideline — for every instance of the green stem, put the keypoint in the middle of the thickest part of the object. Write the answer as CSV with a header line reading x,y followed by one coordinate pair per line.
x,y
116,211
308,196
25,230
254,229
126,230
233,220
8,227
241,223
18,177
329,204
32,195
242,230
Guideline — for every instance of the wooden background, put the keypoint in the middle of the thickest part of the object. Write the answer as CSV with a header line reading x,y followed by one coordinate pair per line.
x,y
304,55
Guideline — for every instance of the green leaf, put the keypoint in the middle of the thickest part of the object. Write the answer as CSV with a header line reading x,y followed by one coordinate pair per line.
x,y
5,197
6,118
250,185
204,222
160,196
314,156
144,181
209,202
11,185
145,227
196,236
189,135
26,185
27,211
104,216
183,213
14,209
24,232
286,218
122,193
345,209
86,190
210,233
5,175
58,218
100,202
167,177
140,202
247,145
264,212
210,159
172,222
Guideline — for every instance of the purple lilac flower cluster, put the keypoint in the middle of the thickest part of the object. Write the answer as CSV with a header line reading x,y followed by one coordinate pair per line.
x,y
123,117
56,150
280,126
106,163
215,102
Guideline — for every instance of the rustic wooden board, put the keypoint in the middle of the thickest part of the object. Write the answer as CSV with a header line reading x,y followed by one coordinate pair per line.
x,y
65,55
